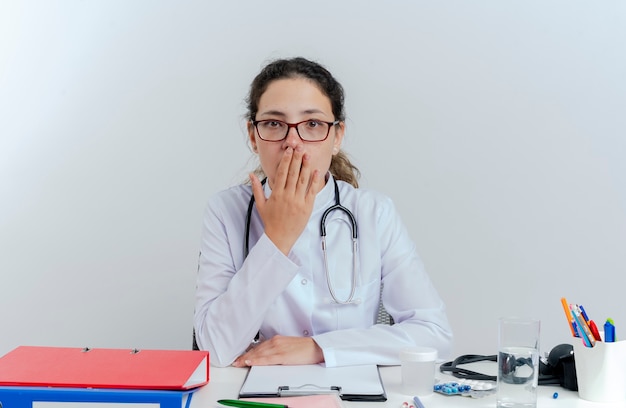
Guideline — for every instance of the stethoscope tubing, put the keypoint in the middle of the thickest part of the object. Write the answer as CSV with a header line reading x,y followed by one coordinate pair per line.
x,y
339,207
336,207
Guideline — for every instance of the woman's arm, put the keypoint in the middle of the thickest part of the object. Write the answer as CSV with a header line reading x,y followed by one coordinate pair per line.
x,y
232,294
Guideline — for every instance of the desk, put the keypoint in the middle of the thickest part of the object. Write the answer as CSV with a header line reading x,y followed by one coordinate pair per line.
x,y
226,382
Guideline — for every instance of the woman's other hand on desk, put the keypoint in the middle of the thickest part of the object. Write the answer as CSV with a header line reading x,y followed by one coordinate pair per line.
x,y
283,350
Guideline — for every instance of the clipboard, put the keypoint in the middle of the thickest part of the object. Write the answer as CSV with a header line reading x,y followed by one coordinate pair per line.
x,y
351,383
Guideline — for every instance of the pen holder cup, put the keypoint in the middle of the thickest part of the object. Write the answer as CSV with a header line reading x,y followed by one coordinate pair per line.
x,y
601,371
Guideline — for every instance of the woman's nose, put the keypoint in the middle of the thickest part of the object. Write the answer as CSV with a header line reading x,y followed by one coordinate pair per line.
x,y
293,139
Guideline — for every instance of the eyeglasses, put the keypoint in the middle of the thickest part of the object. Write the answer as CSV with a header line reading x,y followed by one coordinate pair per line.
x,y
272,130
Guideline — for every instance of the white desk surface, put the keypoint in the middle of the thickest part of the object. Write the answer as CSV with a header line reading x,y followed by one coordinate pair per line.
x,y
225,384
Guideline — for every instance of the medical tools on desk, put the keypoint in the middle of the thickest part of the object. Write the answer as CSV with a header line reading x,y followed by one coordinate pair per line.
x,y
466,388
417,403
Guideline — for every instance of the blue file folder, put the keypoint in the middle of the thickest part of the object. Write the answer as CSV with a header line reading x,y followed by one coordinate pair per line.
x,y
23,397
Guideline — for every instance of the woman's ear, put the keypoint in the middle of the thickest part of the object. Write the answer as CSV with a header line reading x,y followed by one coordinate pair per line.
x,y
340,130
251,137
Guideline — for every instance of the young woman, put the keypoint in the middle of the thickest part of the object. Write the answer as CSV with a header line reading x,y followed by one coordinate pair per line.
x,y
271,289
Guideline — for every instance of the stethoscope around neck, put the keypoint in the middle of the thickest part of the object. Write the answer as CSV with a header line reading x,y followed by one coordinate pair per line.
x,y
353,226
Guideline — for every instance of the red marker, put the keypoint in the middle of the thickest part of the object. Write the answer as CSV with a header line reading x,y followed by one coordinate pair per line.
x,y
594,330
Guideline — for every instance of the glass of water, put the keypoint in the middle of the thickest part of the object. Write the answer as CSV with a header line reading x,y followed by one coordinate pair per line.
x,y
518,362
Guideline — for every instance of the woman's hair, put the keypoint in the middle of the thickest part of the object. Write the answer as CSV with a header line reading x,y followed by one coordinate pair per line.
x,y
340,166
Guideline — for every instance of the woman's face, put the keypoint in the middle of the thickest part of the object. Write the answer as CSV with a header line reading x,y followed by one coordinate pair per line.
x,y
294,100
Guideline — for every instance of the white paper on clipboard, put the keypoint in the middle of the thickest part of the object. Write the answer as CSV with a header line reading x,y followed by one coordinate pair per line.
x,y
355,383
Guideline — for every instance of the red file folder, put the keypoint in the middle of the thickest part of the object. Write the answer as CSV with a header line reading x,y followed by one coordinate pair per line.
x,y
105,368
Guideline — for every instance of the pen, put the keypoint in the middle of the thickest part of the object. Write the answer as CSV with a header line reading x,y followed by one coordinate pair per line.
x,y
586,335
568,316
250,404
582,311
418,403
609,331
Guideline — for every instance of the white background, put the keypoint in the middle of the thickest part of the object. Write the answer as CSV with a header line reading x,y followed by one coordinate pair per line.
x,y
498,128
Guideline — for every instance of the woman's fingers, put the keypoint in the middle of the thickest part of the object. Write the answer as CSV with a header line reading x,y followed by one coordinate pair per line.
x,y
295,169
282,171
315,186
257,191
293,172
286,212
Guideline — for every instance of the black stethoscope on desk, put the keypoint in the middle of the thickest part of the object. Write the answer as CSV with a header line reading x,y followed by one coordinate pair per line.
x,y
353,226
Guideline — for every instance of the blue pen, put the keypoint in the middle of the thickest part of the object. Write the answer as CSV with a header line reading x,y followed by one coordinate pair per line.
x,y
580,321
609,331
418,403
582,310
575,327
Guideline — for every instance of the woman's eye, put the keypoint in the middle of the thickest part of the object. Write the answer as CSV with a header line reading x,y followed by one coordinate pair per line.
x,y
271,124
313,124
